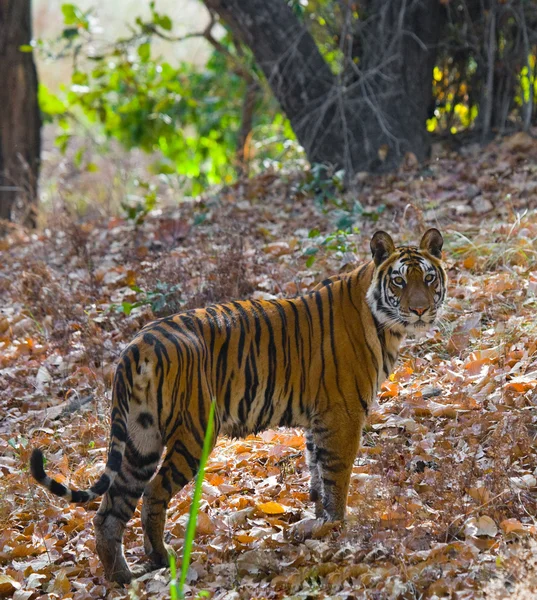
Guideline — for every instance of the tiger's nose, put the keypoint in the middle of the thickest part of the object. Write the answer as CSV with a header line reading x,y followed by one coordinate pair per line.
x,y
419,310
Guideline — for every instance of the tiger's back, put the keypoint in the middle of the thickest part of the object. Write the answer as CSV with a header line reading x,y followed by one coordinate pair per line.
x,y
259,360
315,361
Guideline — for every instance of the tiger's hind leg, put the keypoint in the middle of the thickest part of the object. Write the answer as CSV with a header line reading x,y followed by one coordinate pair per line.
x,y
316,484
179,467
336,446
139,463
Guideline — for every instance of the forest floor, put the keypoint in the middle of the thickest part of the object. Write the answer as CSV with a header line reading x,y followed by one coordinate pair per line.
x,y
443,496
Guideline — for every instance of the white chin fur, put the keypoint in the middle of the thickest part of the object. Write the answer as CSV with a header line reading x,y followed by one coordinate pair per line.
x,y
419,329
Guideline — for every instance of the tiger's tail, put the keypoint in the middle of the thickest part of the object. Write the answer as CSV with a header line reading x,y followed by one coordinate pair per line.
x,y
118,438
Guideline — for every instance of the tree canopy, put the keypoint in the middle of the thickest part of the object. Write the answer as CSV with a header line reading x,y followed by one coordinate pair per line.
x,y
355,85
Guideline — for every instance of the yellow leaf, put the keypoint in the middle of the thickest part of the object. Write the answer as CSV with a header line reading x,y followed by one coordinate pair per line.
x,y
243,538
392,519
295,441
469,262
61,584
271,508
521,384
389,389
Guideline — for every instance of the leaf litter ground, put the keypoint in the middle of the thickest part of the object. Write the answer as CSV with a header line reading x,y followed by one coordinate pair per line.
x,y
443,494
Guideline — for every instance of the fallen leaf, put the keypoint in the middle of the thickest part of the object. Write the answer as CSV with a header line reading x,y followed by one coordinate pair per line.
x,y
513,526
272,508
8,585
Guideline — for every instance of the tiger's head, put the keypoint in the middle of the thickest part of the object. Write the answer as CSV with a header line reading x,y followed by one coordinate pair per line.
x,y
409,283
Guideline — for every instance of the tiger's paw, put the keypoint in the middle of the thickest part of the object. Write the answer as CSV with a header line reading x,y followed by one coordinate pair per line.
x,y
310,528
123,577
162,558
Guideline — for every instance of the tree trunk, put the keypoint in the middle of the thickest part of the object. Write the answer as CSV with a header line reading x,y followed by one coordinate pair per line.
x,y
20,121
395,80
370,122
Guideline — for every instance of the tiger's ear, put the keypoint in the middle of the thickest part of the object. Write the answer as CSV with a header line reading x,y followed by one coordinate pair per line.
x,y
381,247
432,241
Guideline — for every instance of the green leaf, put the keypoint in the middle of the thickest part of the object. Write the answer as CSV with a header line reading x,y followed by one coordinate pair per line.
x,y
70,14
62,141
79,155
144,51
314,233
126,307
310,261
91,167
26,48
200,218
49,103
345,222
311,251
164,22
79,78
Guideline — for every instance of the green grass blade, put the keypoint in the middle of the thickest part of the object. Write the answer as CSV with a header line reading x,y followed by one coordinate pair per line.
x,y
174,590
194,507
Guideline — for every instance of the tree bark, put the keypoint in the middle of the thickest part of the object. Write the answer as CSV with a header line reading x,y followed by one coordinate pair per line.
x,y
20,121
399,53
370,122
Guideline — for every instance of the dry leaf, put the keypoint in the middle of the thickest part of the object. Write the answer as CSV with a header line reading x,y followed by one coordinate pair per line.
x,y
8,585
272,508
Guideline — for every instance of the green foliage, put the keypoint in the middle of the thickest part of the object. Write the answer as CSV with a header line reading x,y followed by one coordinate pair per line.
x,y
324,184
327,188
73,16
156,298
177,588
454,108
190,117
338,241
527,80
136,210
51,105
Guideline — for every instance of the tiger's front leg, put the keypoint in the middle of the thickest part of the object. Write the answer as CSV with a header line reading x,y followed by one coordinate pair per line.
x,y
336,445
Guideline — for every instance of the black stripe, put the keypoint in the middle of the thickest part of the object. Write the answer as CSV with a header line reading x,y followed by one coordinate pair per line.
x,y
57,488
134,457
114,460
117,431
79,497
267,410
102,485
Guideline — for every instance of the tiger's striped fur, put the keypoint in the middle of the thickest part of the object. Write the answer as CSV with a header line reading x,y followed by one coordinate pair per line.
x,y
315,361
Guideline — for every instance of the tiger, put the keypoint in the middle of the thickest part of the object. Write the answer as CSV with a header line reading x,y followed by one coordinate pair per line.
x,y
315,361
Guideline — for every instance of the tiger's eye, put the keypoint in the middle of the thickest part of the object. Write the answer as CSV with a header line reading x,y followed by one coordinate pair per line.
x,y
429,278
398,281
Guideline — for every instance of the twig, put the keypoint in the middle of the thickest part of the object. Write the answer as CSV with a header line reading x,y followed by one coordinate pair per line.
x,y
237,67
65,408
